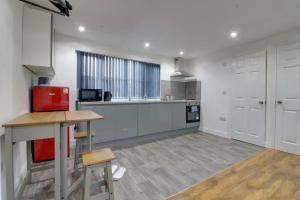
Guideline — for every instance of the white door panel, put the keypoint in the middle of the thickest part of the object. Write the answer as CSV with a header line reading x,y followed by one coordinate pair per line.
x,y
249,82
239,119
253,121
288,99
288,82
288,55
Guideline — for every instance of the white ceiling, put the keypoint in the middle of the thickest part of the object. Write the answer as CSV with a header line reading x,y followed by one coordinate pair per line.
x,y
195,26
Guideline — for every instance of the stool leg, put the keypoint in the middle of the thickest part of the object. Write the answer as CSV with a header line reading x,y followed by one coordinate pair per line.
x,y
76,157
109,180
93,144
105,177
87,183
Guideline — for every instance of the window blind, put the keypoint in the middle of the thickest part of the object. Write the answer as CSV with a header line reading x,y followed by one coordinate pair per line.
x,y
125,78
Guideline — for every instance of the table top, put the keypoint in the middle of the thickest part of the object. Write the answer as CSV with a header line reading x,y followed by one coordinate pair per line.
x,y
44,118
37,118
270,174
82,116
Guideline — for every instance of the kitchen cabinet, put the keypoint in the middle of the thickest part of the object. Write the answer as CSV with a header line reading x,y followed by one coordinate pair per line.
x,y
119,122
38,41
154,118
129,120
178,116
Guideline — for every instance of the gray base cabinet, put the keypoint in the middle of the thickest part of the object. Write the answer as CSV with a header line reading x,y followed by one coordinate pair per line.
x,y
119,122
178,116
154,118
131,120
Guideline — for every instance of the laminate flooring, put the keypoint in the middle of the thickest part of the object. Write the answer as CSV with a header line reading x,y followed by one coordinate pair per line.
x,y
268,175
159,169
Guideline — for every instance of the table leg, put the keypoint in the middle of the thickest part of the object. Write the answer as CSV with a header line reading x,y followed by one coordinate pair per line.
x,y
9,165
29,161
57,133
89,135
64,161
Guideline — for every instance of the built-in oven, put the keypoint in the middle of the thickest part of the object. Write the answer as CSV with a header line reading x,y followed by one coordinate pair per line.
x,y
193,112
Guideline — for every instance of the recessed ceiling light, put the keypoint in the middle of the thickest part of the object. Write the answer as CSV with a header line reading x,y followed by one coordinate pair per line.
x,y
181,52
81,28
147,44
233,34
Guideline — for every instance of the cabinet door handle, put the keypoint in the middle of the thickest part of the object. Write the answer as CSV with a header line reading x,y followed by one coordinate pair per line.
x,y
279,102
261,102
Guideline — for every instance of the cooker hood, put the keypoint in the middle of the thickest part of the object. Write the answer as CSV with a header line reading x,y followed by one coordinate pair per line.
x,y
181,74
179,65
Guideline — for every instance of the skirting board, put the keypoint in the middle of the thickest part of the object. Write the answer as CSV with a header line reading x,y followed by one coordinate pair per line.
x,y
223,134
269,144
216,132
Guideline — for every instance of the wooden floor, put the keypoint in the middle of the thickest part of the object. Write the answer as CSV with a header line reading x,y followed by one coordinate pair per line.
x,y
270,174
161,168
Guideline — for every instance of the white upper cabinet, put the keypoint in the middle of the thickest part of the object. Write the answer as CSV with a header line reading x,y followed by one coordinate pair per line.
x,y
38,41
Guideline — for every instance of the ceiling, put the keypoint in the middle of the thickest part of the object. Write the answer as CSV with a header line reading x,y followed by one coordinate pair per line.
x,y
196,27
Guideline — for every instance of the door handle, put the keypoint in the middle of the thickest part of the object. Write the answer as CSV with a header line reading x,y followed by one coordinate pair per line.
x,y
279,102
261,102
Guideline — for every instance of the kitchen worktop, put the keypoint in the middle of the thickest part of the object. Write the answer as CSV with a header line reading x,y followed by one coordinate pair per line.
x,y
136,102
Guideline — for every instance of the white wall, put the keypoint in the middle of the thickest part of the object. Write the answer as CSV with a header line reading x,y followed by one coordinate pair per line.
x,y
14,79
66,60
214,79
214,72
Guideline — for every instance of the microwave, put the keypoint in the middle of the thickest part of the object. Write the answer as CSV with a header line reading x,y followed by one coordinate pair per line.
x,y
90,95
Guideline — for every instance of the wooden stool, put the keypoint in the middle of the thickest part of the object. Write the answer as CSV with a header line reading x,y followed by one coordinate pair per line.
x,y
93,160
80,138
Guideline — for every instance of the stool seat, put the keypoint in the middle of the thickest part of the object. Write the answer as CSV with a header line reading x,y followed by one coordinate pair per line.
x,y
83,134
98,157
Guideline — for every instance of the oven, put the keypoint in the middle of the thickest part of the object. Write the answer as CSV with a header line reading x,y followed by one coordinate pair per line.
x,y
193,112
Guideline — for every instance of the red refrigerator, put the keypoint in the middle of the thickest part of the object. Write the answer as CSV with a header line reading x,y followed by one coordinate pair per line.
x,y
46,98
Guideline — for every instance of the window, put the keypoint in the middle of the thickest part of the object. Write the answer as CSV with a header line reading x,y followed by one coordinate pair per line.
x,y
125,78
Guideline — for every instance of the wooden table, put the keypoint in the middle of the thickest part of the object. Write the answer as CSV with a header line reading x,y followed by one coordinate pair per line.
x,y
268,175
32,126
41,125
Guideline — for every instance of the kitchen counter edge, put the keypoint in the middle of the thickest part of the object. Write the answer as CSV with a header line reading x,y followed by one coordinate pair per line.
x,y
136,102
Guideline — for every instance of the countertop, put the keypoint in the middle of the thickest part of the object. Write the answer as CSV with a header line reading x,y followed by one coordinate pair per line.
x,y
137,102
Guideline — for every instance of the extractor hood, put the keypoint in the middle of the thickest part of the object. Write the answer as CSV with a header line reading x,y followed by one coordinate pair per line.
x,y
182,74
179,65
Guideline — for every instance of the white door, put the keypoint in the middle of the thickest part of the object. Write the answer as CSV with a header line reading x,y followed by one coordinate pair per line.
x,y
288,99
249,96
